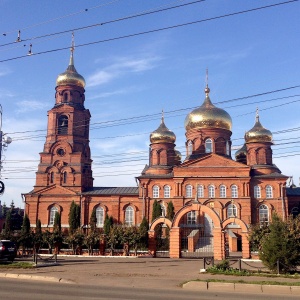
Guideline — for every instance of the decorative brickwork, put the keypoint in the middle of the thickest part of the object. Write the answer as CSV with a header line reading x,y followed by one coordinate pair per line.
x,y
215,198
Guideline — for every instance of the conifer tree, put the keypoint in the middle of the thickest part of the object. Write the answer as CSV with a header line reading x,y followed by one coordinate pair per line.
x,y
143,229
93,220
8,224
26,225
170,211
156,210
74,217
108,223
280,245
57,222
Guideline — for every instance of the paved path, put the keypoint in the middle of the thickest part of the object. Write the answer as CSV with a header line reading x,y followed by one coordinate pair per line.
x,y
127,272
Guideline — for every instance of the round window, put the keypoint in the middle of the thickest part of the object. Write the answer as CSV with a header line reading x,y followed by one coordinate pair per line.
x,y
61,152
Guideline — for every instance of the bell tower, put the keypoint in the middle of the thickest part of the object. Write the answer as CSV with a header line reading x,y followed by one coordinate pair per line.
x,y
66,158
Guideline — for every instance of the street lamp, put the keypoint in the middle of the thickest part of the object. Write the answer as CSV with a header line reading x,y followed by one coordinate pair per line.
x,y
4,142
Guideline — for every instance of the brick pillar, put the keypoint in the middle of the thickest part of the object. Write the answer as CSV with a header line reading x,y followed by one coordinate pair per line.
x,y
219,244
245,246
152,242
175,242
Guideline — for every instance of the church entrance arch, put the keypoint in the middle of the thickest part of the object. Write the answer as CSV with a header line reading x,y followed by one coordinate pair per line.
x,y
236,237
159,237
194,225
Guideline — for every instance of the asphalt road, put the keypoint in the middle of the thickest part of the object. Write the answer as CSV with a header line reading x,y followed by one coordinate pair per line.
x,y
19,289
124,278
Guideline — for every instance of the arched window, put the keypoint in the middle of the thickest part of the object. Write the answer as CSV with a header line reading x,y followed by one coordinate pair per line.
x,y
167,191
52,177
100,216
263,215
222,191
257,193
52,214
189,191
231,211
211,191
208,146
269,191
155,192
234,191
65,177
62,125
191,217
227,148
190,148
66,97
129,216
200,191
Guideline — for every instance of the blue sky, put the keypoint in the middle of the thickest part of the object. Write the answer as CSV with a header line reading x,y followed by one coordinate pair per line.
x,y
246,54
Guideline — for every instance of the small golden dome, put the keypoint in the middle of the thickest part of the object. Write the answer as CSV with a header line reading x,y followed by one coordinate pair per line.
x,y
208,116
70,76
258,133
242,152
178,155
162,134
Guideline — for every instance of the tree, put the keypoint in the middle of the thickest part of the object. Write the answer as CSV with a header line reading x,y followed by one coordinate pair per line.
x,y
170,211
25,238
256,235
38,236
93,220
114,237
92,240
108,223
156,210
57,222
8,225
143,229
281,244
26,225
76,240
74,217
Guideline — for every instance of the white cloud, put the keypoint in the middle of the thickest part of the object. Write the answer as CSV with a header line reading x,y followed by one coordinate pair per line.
x,y
30,105
120,67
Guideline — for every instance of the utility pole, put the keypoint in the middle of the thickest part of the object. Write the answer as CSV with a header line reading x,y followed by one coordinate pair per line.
x,y
4,142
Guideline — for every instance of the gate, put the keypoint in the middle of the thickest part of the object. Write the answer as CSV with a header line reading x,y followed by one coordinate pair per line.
x,y
196,237
162,240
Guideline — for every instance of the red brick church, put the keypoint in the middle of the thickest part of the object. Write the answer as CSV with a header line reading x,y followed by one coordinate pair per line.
x,y
215,198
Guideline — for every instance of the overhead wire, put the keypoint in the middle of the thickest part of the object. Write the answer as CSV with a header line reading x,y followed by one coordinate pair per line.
x,y
139,14
154,30
58,18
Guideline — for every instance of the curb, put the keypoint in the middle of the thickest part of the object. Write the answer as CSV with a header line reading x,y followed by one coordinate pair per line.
x,y
242,287
35,277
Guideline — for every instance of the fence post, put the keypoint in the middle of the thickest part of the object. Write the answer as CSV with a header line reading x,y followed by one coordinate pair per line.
x,y
55,257
240,265
278,267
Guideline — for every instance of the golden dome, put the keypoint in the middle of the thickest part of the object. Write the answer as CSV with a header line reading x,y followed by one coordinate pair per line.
x,y
258,133
208,116
162,134
70,76
241,152
178,155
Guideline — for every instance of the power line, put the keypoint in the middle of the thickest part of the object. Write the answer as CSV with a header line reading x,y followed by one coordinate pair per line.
x,y
158,115
58,18
140,14
154,30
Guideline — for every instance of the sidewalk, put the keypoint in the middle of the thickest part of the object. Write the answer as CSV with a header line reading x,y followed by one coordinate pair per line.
x,y
160,273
